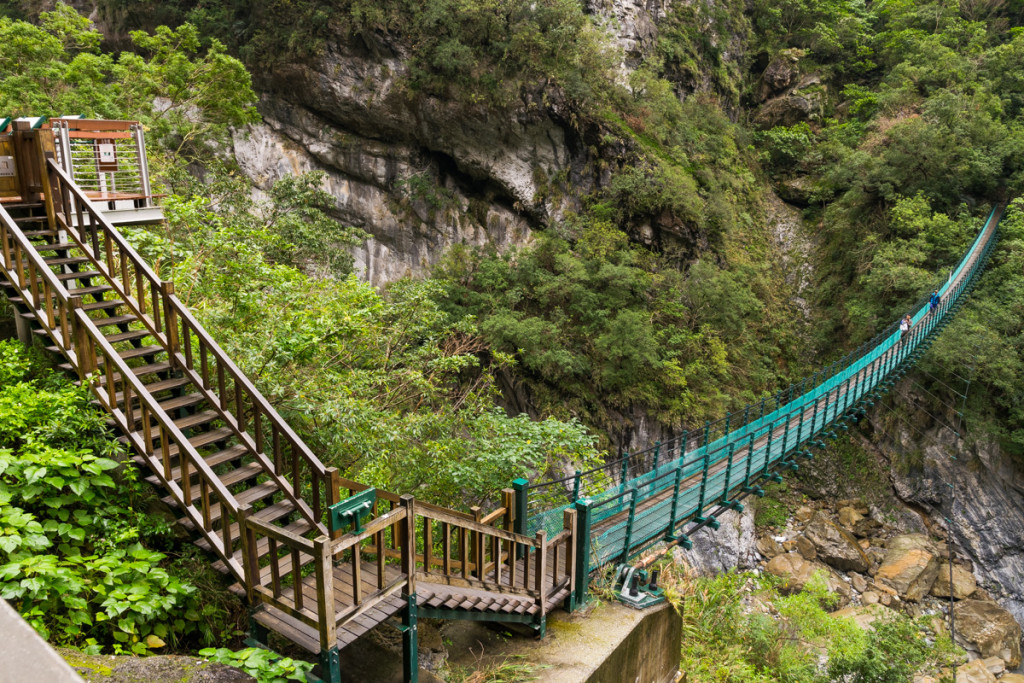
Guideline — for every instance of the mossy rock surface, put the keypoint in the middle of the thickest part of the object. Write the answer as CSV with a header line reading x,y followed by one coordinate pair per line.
x,y
157,669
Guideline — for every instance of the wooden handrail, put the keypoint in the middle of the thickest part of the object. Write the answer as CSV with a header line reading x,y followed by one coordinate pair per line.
x,y
188,457
164,329
45,289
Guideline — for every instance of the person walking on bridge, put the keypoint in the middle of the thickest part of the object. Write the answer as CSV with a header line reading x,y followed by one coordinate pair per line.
x,y
933,302
905,324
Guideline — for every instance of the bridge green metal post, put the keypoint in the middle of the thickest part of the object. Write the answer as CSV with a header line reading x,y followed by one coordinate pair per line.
x,y
410,659
703,489
728,474
624,474
750,461
629,524
584,517
576,485
785,443
657,452
670,531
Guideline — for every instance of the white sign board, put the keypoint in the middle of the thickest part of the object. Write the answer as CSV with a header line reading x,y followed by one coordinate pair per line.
x,y
6,167
106,153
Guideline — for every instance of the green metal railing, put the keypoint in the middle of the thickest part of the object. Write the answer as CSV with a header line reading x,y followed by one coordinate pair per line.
x,y
641,498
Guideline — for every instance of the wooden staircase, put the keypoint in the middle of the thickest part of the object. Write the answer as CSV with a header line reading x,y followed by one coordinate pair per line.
x,y
241,480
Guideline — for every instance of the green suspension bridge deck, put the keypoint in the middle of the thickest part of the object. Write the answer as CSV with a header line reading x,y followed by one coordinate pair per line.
x,y
322,559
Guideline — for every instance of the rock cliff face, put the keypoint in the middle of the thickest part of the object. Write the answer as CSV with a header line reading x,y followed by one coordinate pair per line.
x,y
985,504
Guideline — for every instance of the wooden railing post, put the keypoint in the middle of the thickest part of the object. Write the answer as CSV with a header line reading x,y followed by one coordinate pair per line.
x,y
583,520
542,581
478,542
333,483
79,340
569,523
508,501
170,319
408,543
323,557
250,560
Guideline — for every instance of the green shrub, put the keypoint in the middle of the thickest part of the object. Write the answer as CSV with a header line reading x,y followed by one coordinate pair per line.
x,y
263,665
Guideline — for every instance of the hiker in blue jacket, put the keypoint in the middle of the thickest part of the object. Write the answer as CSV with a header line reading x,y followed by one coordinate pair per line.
x,y
933,302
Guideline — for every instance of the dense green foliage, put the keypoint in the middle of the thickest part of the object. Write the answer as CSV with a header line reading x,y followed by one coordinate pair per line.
x,y
58,67
739,627
263,665
77,553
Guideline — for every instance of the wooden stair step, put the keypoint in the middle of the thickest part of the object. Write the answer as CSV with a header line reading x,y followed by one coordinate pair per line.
x,y
247,497
218,458
197,441
186,401
65,260
30,219
243,473
101,305
114,320
55,246
298,527
85,291
138,371
157,387
126,336
38,233
83,275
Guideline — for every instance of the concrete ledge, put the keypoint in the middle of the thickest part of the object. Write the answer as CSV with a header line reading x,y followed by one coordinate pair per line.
x,y
25,656
611,644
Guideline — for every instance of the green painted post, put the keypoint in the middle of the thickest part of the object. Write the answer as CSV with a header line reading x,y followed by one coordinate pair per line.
x,y
750,460
682,443
576,486
521,487
584,514
625,471
728,417
629,524
761,412
785,443
703,489
410,658
814,419
799,429
746,414
707,431
330,666
657,452
728,473
670,531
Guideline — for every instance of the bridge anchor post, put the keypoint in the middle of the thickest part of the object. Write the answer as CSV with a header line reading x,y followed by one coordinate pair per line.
x,y
410,658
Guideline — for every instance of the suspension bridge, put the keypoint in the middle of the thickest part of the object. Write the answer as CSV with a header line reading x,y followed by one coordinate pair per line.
x,y
322,559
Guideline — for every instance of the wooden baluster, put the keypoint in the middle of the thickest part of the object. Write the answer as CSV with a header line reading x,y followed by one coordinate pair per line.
x,y
33,280
205,367
250,561
225,529
170,318
165,450
80,340
257,426
239,405
526,565
275,568
277,452
155,295
19,266
296,470
478,542
569,522
65,327
108,368
381,549
464,551
186,478
126,278
357,574
186,338
496,558
297,577
222,382
428,543
48,293
513,549
541,572
129,409
204,494
446,549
